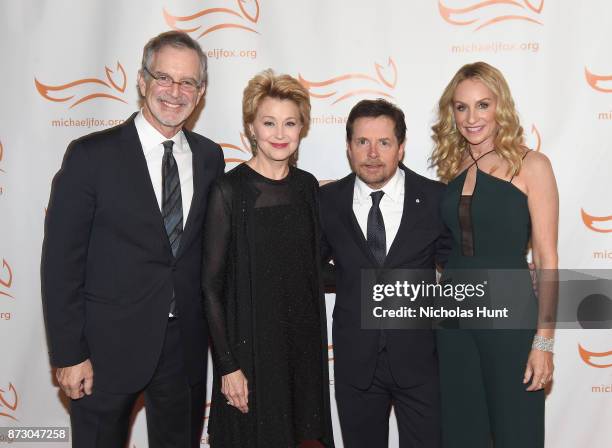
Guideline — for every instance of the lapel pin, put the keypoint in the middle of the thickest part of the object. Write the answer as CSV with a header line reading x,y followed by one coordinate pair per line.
x,y
418,201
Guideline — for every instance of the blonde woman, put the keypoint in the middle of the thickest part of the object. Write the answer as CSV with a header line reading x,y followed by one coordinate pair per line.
x,y
500,196
261,282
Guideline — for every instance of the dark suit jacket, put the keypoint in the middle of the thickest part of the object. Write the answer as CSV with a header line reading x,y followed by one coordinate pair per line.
x,y
108,272
422,241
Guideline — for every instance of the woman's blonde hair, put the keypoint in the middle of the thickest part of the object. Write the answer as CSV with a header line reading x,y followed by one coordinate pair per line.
x,y
269,85
450,145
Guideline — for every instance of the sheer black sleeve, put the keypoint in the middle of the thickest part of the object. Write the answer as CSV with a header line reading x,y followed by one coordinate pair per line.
x,y
216,248
328,270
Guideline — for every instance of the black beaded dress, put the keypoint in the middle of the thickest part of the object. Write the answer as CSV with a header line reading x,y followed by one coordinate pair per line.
x,y
266,309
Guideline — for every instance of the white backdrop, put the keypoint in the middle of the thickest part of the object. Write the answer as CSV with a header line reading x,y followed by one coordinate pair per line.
x,y
69,68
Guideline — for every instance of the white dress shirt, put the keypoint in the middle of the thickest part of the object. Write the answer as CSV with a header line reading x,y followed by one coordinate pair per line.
x,y
391,205
151,140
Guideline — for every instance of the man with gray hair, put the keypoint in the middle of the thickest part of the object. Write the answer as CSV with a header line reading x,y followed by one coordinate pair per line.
x,y
122,259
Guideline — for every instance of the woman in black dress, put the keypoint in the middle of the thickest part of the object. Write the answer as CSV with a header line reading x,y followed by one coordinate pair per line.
x,y
500,197
261,283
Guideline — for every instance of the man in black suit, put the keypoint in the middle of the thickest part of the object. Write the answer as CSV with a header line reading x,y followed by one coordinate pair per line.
x,y
122,258
382,217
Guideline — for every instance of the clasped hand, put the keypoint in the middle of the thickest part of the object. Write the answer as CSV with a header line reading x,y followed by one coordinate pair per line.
x,y
235,388
539,369
76,381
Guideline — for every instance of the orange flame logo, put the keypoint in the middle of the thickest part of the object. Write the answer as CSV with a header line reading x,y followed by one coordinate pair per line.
x,y
244,151
594,80
1,155
5,404
378,84
538,137
207,410
590,221
8,281
247,12
478,13
595,359
47,90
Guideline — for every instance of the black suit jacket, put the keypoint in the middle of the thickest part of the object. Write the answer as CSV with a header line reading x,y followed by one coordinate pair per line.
x,y
108,272
422,241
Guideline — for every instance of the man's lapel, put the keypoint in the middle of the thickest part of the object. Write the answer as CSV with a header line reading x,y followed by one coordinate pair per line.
x,y
197,200
413,203
350,220
135,165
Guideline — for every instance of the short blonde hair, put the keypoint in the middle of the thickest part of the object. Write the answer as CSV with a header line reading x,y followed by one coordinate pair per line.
x,y
269,85
449,144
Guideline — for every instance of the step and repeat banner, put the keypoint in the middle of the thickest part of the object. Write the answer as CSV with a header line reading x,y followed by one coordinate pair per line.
x,y
69,68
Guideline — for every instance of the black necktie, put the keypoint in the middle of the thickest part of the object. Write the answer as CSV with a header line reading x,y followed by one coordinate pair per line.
x,y
172,205
377,240
376,229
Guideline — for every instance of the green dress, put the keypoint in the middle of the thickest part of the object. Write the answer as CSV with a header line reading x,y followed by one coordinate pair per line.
x,y
484,401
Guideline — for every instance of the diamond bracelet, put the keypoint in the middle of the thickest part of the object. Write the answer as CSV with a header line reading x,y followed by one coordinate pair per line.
x,y
542,343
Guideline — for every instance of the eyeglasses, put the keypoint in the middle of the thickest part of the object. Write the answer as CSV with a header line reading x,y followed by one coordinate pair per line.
x,y
164,80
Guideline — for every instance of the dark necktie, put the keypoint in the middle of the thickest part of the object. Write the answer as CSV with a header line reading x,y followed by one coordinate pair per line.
x,y
376,229
377,240
172,205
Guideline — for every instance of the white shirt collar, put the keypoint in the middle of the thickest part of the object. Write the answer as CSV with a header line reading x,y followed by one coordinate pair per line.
x,y
394,189
151,138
